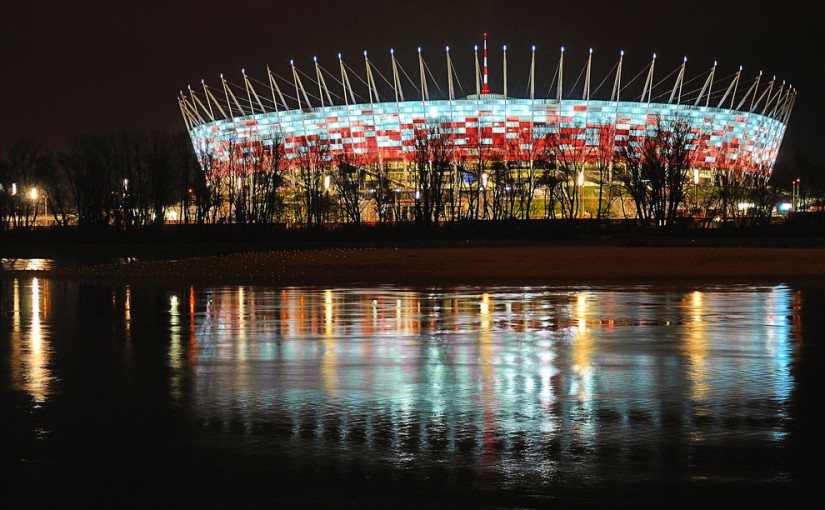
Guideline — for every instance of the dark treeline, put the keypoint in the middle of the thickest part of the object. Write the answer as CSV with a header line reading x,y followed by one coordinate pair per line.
x,y
126,179
132,180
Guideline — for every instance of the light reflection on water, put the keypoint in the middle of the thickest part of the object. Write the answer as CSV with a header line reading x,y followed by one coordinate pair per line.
x,y
30,346
498,374
524,387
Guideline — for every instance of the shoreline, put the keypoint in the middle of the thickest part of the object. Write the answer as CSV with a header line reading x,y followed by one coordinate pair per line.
x,y
536,265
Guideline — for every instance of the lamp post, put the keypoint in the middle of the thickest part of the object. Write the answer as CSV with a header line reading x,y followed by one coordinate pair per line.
x,y
696,189
33,196
581,194
796,200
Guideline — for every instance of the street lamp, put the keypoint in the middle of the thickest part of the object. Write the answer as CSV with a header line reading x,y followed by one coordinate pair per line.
x,y
798,197
696,188
581,194
795,195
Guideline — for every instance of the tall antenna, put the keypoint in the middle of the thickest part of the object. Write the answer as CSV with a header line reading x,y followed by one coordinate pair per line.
x,y
485,90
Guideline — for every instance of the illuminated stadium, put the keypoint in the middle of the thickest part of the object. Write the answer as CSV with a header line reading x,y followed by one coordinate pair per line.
x,y
737,122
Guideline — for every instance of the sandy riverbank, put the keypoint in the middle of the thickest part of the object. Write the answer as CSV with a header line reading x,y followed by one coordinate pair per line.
x,y
452,265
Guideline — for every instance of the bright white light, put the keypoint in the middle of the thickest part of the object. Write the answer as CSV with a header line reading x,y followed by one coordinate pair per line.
x,y
654,56
315,59
621,53
419,49
125,184
13,189
484,178
696,176
222,76
505,47
475,47
417,194
562,49
744,205
326,182
685,59
243,70
33,193
448,48
339,56
291,62
365,53
591,51
785,206
534,47
581,178
392,51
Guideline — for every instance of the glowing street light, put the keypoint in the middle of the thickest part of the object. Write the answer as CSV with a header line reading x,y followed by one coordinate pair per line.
x,y
795,195
696,187
581,194
33,193
13,189
326,182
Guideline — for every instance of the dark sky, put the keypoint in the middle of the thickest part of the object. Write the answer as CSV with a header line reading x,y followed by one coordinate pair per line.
x,y
97,66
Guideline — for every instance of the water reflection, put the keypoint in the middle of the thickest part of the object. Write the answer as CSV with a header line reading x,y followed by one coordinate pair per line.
x,y
501,373
26,264
519,386
30,347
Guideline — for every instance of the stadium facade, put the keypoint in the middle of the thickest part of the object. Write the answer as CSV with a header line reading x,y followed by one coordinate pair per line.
x,y
738,124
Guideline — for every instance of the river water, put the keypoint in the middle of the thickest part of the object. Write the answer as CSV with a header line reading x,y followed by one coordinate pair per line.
x,y
165,395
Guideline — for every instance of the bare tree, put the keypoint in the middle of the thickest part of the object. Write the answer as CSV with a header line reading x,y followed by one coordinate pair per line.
x,y
568,151
382,193
27,166
433,157
347,182
313,163
655,170
475,165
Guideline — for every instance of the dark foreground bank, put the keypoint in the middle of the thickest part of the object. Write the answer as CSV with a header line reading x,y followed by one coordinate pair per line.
x,y
454,265
555,252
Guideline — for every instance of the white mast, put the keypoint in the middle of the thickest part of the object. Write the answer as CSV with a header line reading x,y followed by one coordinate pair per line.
x,y
615,94
346,85
396,85
678,85
707,86
372,88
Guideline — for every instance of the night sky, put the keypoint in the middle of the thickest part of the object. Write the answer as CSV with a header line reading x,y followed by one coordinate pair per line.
x,y
97,66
